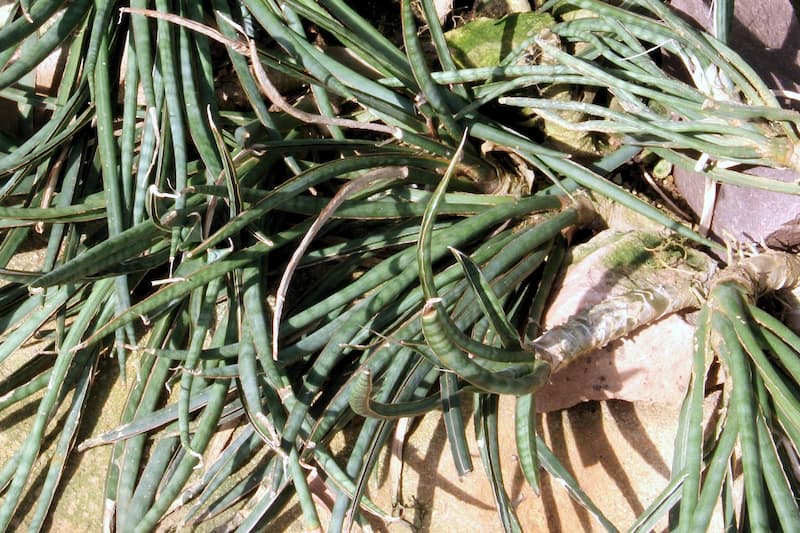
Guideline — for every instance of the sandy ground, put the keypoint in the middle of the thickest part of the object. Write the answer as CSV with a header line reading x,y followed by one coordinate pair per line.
x,y
619,451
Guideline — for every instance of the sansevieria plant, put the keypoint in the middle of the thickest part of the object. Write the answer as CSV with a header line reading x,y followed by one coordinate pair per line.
x,y
275,222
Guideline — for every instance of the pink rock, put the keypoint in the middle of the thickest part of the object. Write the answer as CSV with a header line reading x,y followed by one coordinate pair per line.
x,y
652,365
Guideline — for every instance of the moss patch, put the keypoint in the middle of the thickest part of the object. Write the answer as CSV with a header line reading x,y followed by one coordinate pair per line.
x,y
633,251
484,42
652,251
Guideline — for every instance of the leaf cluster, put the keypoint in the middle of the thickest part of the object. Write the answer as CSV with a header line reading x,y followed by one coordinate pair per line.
x,y
263,271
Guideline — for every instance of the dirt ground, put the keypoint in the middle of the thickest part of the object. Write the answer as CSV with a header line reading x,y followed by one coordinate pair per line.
x,y
619,451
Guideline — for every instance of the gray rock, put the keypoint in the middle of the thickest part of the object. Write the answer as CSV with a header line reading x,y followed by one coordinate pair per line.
x,y
745,214
767,35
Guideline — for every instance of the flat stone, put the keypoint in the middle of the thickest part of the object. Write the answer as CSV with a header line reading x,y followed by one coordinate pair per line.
x,y
652,364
